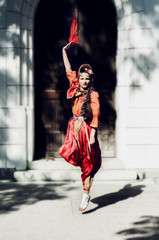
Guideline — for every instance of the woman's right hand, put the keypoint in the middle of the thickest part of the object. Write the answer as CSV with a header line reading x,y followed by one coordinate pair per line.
x,y
67,46
65,57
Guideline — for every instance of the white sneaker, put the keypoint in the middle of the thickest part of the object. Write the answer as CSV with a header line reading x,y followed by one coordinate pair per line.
x,y
84,202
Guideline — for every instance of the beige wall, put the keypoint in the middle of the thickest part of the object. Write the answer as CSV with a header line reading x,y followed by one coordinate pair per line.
x,y
137,103
137,97
16,76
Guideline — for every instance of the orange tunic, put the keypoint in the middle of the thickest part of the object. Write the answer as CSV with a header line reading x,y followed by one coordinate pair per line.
x,y
77,102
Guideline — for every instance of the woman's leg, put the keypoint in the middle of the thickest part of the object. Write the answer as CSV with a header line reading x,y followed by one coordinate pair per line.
x,y
86,189
87,184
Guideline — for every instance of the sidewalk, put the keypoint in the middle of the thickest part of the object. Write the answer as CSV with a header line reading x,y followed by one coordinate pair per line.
x,y
49,211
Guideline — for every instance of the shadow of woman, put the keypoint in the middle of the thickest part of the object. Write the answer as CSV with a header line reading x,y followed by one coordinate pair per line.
x,y
108,199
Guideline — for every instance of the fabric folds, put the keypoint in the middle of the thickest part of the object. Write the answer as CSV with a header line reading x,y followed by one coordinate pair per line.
x,y
77,152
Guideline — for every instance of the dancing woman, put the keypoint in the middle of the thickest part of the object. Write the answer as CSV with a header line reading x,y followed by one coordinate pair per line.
x,y
81,147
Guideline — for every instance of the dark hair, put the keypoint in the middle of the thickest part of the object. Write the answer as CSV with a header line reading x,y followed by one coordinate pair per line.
x,y
84,68
86,110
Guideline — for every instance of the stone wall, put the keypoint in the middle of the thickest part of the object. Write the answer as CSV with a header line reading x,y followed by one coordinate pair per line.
x,y
137,103
16,77
137,97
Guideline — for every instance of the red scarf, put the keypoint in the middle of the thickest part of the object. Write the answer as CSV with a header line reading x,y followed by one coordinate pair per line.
x,y
75,90
73,31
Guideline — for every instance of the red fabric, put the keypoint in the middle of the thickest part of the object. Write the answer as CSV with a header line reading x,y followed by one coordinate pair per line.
x,y
89,162
73,31
72,90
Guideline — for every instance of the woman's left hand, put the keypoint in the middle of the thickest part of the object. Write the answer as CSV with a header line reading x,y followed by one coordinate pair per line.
x,y
92,140
67,46
92,136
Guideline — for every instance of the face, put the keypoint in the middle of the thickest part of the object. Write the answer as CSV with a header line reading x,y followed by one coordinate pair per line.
x,y
84,80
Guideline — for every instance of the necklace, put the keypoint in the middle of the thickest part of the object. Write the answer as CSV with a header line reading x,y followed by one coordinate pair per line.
x,y
80,92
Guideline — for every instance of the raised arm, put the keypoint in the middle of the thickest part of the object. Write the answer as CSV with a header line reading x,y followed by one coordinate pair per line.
x,y
65,57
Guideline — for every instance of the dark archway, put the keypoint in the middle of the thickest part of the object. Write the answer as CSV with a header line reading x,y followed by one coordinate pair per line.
x,y
98,37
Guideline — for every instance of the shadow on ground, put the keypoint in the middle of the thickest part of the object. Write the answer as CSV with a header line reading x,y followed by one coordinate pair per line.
x,y
145,229
112,198
13,196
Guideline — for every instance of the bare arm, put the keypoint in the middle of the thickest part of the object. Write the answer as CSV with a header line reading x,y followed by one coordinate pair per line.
x,y
65,57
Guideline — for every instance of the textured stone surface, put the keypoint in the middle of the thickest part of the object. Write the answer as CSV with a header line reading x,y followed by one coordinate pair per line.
x,y
14,5
12,136
137,70
13,20
117,211
137,5
13,96
2,156
72,175
13,66
143,136
15,115
3,90
2,17
2,118
136,156
16,156
9,38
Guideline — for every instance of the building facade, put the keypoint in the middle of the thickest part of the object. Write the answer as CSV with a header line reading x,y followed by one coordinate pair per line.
x,y
136,93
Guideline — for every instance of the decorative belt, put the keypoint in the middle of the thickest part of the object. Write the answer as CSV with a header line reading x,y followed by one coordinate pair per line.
x,y
77,126
81,119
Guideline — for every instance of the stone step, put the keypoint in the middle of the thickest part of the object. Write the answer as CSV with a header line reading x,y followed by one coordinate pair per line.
x,y
59,170
61,164
72,175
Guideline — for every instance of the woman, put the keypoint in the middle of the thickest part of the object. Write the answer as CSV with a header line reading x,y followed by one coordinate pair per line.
x,y
81,146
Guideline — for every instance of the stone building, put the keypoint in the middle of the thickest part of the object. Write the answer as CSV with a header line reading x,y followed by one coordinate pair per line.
x,y
134,138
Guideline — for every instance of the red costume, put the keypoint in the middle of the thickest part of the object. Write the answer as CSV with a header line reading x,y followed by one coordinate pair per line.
x,y
76,149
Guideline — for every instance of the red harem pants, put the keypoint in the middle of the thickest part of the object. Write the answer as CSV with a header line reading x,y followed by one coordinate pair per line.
x,y
80,155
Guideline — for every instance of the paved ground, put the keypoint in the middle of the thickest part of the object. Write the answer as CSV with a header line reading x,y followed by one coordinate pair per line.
x,y
117,211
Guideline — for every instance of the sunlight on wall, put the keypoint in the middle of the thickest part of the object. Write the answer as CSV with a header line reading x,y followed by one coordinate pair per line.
x,y
137,92
137,98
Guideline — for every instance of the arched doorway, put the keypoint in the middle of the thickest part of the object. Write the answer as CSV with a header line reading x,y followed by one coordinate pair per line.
x,y
98,37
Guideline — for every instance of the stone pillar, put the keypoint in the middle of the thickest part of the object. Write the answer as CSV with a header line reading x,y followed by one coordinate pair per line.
x,y
16,76
137,98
